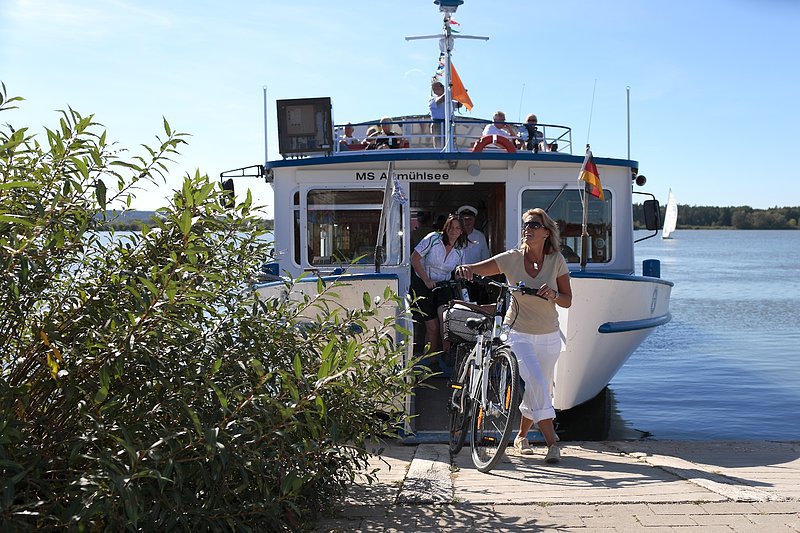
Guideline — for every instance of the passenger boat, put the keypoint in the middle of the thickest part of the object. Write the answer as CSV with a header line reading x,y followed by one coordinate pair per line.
x,y
334,202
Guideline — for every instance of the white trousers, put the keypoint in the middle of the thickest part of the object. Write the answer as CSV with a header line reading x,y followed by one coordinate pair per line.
x,y
537,356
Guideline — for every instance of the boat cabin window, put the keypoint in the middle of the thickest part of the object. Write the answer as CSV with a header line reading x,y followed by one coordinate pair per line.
x,y
342,227
567,211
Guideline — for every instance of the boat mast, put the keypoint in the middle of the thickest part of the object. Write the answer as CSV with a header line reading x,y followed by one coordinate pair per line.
x,y
446,41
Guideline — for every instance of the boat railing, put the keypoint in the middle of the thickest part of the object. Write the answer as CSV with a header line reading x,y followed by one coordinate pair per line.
x,y
415,134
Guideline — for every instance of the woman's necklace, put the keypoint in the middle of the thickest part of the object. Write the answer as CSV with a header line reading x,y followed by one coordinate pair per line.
x,y
534,264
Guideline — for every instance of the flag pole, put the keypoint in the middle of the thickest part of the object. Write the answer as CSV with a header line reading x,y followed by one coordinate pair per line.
x,y
447,45
387,196
585,217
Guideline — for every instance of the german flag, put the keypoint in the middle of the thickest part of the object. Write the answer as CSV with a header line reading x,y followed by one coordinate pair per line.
x,y
458,92
591,176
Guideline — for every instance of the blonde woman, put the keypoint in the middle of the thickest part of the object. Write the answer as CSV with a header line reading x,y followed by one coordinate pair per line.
x,y
534,335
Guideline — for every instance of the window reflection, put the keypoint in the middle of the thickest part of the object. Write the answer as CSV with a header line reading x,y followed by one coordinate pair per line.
x,y
567,211
342,228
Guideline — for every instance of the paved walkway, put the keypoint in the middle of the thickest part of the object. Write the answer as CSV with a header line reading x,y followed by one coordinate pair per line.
x,y
598,486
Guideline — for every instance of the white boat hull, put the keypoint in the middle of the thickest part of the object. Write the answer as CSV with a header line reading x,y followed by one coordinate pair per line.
x,y
610,317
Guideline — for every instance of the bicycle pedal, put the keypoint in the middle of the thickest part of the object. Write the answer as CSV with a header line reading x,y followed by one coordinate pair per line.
x,y
456,386
488,440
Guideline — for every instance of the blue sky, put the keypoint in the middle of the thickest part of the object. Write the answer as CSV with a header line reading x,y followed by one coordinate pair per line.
x,y
714,84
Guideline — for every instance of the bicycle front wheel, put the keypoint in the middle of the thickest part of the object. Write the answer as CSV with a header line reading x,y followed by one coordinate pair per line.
x,y
492,417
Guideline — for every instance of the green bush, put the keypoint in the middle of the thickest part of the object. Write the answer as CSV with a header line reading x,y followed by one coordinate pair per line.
x,y
143,386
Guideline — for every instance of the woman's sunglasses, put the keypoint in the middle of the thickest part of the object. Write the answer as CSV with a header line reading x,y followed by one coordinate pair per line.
x,y
532,224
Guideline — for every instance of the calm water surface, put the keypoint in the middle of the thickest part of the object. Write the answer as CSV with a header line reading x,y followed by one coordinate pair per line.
x,y
728,364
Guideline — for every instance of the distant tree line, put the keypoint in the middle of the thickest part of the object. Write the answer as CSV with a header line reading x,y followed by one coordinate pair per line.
x,y
742,217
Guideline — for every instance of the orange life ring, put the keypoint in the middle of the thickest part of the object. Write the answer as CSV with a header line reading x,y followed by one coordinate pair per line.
x,y
499,140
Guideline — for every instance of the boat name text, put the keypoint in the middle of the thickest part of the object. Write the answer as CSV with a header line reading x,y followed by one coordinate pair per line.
x,y
413,175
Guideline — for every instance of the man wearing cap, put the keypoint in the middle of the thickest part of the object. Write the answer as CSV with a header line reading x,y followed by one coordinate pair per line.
x,y
477,250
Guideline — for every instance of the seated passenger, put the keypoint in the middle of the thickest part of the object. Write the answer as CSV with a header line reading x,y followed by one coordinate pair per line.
x,y
500,127
347,140
535,138
369,141
384,137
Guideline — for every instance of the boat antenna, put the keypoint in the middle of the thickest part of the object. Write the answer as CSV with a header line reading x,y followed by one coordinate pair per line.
x,y
446,41
628,91
591,112
266,149
519,112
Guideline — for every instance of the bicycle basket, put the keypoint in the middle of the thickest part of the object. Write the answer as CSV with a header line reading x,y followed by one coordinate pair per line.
x,y
455,318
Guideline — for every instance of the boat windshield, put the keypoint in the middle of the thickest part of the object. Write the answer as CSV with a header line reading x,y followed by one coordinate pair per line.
x,y
567,211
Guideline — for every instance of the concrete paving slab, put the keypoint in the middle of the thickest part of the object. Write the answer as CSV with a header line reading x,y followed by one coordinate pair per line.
x,y
586,474
598,486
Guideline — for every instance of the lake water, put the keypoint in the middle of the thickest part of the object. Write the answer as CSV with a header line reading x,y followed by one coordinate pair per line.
x,y
728,364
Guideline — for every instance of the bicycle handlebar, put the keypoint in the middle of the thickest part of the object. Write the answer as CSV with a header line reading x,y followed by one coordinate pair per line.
x,y
511,288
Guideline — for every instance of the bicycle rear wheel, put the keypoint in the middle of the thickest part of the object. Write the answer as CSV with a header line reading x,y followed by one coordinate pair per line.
x,y
459,406
492,425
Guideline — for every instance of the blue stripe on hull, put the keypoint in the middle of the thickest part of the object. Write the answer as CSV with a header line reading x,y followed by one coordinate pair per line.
x,y
634,325
621,277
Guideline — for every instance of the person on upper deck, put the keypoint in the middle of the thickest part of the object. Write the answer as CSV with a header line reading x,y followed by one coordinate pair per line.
x,y
347,140
437,107
500,127
535,140
534,338
433,260
384,137
369,140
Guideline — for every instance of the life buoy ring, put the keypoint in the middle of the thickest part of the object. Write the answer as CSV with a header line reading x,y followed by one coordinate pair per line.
x,y
499,140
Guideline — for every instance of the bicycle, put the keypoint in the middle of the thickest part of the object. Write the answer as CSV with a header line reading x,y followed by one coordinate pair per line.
x,y
485,379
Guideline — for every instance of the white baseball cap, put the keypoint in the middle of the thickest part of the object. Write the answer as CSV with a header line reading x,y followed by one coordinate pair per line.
x,y
467,208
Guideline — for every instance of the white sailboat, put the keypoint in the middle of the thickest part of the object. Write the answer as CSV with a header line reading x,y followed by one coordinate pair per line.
x,y
670,217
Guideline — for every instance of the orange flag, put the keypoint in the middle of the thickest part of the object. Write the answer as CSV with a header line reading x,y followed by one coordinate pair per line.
x,y
591,176
458,92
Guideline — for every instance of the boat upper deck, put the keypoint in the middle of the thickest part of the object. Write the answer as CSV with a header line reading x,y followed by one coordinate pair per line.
x,y
416,142
414,133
